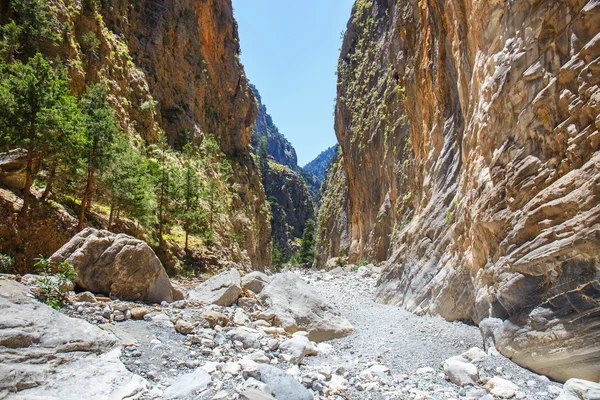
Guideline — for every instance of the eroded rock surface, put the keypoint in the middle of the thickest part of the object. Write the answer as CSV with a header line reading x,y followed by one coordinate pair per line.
x,y
470,164
117,265
46,355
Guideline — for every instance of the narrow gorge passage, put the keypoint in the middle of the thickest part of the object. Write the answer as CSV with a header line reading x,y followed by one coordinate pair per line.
x,y
165,235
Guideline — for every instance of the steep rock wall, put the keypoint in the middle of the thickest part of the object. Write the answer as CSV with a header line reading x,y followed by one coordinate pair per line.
x,y
173,66
291,206
278,146
470,142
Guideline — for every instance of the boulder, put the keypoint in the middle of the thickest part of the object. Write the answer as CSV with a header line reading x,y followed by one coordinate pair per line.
x,y
118,265
249,337
500,387
297,306
255,394
47,355
297,348
84,297
284,386
460,371
223,289
215,318
13,167
256,281
579,389
488,327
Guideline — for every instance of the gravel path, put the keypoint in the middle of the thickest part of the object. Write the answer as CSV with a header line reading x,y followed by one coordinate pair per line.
x,y
413,347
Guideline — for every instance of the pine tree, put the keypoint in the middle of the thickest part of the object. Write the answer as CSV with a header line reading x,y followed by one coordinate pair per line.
x,y
168,186
191,214
37,113
101,130
307,249
33,24
128,185
263,155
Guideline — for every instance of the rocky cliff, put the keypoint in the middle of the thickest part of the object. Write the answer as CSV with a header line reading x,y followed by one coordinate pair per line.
x,y
288,188
278,146
318,166
173,66
291,206
470,165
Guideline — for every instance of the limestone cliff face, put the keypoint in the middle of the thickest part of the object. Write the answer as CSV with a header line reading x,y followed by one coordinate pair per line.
x,y
188,51
291,206
285,184
470,141
172,65
278,146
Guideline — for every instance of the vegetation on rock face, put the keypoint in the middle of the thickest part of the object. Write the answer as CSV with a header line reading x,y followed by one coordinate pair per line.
x,y
91,129
6,263
38,114
278,147
289,197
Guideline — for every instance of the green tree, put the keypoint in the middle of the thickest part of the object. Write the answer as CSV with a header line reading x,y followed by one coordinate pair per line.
x,y
101,130
37,113
168,185
263,155
36,24
128,184
11,41
307,249
191,214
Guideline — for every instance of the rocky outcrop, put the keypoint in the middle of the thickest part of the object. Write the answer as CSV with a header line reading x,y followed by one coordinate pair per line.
x,y
314,172
469,138
256,281
118,266
45,354
579,389
333,222
278,146
13,167
298,307
285,184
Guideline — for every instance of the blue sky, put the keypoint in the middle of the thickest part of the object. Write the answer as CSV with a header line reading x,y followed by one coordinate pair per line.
x,y
290,51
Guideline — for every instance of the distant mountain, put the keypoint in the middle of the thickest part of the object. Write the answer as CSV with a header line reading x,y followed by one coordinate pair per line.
x,y
278,146
319,165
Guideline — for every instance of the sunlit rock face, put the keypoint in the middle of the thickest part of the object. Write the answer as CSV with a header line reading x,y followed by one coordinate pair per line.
x,y
471,166
172,66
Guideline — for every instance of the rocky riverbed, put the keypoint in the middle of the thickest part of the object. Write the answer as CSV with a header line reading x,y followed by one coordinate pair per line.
x,y
190,350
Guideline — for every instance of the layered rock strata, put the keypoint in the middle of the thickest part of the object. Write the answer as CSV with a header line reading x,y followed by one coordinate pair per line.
x,y
470,152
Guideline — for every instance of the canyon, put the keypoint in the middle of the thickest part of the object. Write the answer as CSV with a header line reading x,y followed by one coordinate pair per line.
x,y
464,192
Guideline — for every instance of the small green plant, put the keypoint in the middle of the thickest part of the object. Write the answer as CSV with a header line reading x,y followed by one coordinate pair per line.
x,y
449,217
53,289
6,264
341,261
91,44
